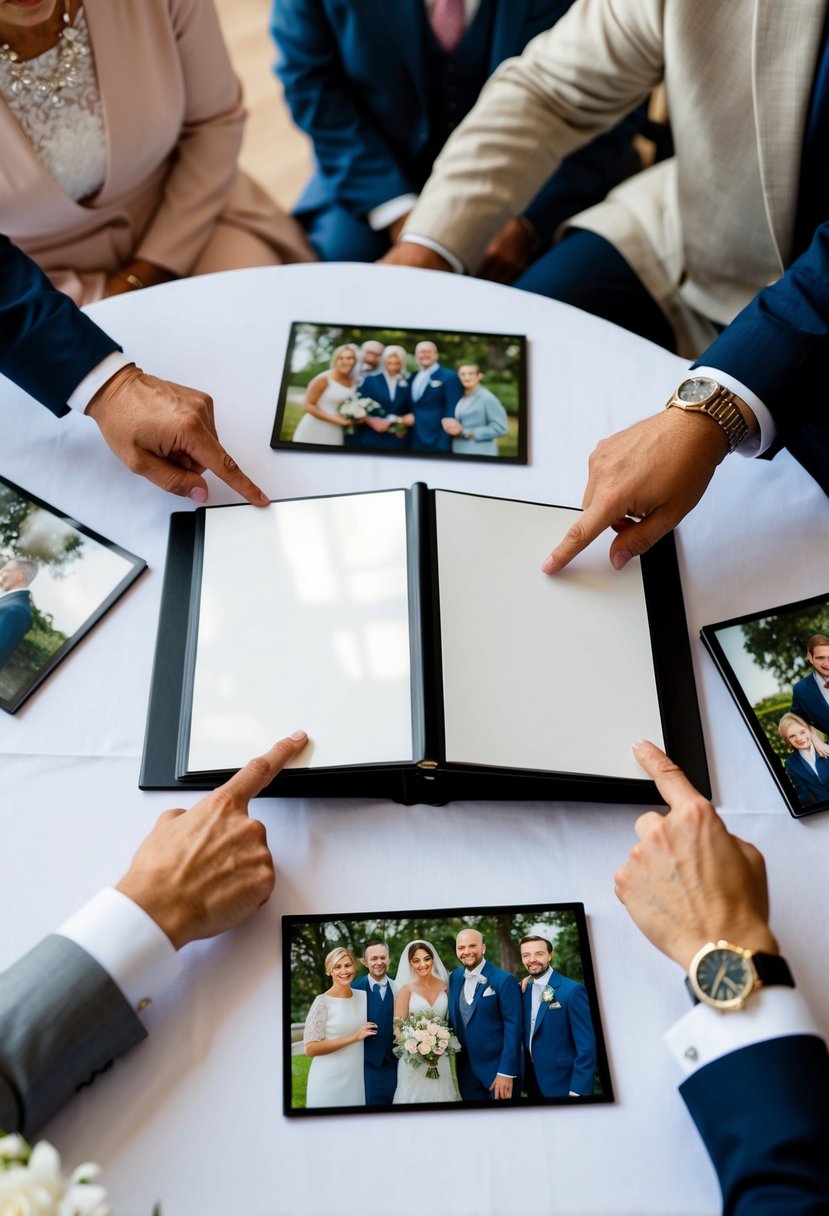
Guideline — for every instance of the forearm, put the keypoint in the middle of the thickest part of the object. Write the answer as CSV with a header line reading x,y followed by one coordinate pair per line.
x,y
561,93
35,318
324,1047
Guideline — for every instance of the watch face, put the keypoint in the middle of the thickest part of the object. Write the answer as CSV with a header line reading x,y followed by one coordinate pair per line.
x,y
724,976
696,390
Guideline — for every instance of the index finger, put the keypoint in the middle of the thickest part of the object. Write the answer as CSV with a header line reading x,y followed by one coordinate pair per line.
x,y
582,533
210,453
261,770
668,777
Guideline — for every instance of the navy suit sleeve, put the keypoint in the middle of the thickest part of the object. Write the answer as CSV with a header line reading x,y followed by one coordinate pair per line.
x,y
15,623
584,1040
47,345
350,150
585,177
62,1020
779,330
512,1013
763,1114
801,788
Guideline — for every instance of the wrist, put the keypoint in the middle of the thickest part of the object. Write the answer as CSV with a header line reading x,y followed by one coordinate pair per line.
x,y
751,935
169,919
123,376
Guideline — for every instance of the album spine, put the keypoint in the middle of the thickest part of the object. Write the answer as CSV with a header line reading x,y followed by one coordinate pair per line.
x,y
424,631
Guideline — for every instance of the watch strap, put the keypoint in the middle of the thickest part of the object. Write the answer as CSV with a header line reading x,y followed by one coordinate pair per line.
x,y
722,408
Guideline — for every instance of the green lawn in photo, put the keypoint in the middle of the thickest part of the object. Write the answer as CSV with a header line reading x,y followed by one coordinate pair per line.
x,y
299,1081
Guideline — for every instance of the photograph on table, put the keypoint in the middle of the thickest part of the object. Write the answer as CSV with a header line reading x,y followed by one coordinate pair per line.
x,y
441,1009
57,579
388,391
776,665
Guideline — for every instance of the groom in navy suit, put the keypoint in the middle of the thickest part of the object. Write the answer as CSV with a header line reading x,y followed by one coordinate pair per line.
x,y
485,1013
809,695
379,1060
559,1041
434,394
15,605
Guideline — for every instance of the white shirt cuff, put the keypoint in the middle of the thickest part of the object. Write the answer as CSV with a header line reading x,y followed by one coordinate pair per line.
x,y
384,216
96,379
756,443
137,955
704,1034
436,247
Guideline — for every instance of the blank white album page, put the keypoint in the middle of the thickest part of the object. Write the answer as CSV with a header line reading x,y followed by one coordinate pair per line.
x,y
543,673
304,624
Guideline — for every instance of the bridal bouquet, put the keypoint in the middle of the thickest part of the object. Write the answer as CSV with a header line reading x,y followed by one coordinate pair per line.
x,y
31,1182
356,407
424,1038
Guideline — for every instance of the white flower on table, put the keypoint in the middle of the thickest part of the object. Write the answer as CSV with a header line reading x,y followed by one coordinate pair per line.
x,y
31,1183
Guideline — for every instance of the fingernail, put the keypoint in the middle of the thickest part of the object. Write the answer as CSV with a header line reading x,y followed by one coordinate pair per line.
x,y
548,565
264,501
198,494
621,559
638,743
299,734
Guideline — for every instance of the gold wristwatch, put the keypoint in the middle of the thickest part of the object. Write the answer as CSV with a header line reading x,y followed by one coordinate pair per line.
x,y
724,975
701,395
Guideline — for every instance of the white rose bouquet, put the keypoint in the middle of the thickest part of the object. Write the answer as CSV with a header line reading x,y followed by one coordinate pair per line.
x,y
423,1039
356,408
31,1183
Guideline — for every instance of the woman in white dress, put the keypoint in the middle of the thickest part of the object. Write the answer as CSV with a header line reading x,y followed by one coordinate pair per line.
x,y
422,985
334,1031
321,422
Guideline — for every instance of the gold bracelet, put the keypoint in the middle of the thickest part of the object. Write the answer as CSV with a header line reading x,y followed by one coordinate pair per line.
x,y
130,278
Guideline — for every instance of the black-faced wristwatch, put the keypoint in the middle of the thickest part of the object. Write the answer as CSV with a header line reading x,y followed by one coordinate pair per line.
x,y
701,395
724,975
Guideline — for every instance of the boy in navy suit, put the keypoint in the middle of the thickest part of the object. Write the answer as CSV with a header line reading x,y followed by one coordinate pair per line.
x,y
559,1042
810,696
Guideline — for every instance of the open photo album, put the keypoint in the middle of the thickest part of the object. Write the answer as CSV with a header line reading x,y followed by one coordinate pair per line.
x,y
412,634
775,663
441,1009
57,579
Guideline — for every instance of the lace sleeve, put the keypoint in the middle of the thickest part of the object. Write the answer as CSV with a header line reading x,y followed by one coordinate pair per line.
x,y
316,1021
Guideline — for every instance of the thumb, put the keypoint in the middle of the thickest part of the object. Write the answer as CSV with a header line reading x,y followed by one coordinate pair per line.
x,y
636,539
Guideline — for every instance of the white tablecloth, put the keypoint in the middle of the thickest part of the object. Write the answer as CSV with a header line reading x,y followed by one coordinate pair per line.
x,y
193,1116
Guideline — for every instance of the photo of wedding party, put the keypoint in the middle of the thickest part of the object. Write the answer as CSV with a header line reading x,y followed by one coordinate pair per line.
x,y
776,663
56,579
391,391
436,1008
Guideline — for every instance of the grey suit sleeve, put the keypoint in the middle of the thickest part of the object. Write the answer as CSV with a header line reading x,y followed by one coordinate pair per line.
x,y
62,1021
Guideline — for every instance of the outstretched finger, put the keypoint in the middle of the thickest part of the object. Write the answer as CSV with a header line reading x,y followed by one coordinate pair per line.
x,y
668,777
583,532
261,770
207,450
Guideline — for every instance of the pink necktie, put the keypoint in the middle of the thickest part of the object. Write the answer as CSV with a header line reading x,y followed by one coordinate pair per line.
x,y
448,22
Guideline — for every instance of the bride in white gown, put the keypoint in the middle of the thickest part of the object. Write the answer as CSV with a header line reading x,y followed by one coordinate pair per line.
x,y
421,984
321,422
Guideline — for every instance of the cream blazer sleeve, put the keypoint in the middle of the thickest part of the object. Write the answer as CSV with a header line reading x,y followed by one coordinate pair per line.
x,y
570,84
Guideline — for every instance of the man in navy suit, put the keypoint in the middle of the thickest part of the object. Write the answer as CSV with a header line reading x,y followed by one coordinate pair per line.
x,y
485,1013
160,430
810,696
434,394
15,605
378,92
559,1041
379,1060
757,1075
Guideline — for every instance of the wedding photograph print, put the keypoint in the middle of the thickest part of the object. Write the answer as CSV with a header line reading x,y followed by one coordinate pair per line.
x,y
57,579
442,1009
388,391
776,664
